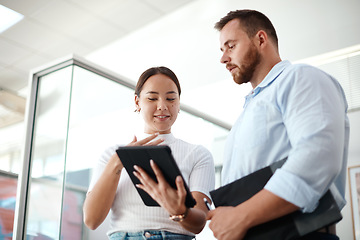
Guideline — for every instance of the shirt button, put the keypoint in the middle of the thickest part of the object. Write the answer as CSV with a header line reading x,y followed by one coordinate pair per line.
x,y
147,234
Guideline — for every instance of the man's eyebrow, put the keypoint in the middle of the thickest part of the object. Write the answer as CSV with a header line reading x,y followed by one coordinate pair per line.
x,y
226,43
171,92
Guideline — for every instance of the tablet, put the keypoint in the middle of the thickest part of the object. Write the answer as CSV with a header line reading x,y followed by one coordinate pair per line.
x,y
141,156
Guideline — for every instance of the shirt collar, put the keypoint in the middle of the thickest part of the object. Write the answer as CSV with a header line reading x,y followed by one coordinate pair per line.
x,y
273,74
270,77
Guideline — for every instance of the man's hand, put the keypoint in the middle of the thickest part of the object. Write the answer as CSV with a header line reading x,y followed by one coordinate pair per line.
x,y
234,222
227,223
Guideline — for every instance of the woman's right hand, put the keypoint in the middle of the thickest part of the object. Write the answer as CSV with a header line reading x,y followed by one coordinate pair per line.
x,y
146,141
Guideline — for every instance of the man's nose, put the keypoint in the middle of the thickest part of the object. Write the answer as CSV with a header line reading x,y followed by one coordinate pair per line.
x,y
224,58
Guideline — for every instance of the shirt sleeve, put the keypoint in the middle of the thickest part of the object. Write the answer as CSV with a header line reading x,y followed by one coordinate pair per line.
x,y
100,165
313,108
202,177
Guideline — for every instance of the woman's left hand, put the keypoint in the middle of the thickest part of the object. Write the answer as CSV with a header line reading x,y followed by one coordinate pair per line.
x,y
173,200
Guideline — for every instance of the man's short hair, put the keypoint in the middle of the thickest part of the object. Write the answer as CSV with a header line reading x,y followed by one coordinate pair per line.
x,y
251,21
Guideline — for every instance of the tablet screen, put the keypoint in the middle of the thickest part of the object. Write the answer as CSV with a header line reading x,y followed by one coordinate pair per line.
x,y
141,156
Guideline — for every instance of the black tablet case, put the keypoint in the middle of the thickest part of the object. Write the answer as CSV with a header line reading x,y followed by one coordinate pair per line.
x,y
162,156
288,227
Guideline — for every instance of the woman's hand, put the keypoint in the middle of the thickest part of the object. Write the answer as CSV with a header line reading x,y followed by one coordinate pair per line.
x,y
146,141
173,200
99,201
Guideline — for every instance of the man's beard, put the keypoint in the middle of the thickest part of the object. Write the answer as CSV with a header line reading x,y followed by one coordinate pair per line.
x,y
247,69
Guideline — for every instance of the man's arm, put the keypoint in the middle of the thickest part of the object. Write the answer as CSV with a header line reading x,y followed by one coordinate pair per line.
x,y
233,222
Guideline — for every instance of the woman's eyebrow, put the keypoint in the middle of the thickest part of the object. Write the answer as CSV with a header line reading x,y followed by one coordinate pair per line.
x,y
152,92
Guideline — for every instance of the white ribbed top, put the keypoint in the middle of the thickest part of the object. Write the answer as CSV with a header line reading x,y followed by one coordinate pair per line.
x,y
129,213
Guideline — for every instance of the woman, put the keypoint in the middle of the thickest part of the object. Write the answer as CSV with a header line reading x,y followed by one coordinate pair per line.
x,y
157,99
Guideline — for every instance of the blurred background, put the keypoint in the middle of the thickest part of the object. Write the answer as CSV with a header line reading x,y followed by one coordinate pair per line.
x,y
122,38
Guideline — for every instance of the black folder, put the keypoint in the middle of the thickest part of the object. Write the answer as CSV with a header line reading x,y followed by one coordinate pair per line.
x,y
162,156
291,226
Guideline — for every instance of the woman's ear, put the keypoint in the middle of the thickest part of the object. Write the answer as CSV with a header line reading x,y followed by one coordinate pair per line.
x,y
137,103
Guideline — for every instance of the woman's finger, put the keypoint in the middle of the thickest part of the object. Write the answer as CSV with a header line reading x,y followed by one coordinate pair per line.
x,y
180,186
155,142
159,175
143,177
134,139
147,139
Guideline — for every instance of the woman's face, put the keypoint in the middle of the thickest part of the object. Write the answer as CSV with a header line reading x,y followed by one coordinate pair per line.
x,y
159,104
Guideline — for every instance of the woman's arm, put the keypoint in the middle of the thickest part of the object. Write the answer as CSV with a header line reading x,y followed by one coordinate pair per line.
x,y
100,199
196,218
173,200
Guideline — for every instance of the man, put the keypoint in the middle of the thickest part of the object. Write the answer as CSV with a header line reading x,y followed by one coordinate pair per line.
x,y
294,111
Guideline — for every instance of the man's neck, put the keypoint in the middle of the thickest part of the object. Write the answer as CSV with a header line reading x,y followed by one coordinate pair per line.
x,y
262,70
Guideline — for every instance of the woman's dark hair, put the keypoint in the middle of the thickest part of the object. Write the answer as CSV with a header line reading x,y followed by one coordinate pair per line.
x,y
251,21
153,71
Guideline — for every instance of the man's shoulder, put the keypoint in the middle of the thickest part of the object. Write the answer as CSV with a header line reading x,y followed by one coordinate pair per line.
x,y
299,67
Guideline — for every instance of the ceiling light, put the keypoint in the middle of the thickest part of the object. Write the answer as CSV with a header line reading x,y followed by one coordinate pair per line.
x,y
8,18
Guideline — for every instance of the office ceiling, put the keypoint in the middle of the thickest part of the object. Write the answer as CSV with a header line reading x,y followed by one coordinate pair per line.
x,y
107,31
52,29
55,28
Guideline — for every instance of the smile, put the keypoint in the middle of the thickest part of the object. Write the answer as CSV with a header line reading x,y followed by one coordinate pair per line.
x,y
162,116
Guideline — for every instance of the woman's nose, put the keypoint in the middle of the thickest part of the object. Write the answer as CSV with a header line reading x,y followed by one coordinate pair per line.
x,y
162,105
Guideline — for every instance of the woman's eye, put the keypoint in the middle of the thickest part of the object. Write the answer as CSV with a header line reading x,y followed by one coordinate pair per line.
x,y
171,99
151,99
231,46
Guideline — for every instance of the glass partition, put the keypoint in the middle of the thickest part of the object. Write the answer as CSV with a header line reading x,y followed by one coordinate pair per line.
x,y
76,111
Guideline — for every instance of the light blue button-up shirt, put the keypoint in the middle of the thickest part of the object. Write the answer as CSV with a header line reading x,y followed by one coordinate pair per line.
x,y
298,112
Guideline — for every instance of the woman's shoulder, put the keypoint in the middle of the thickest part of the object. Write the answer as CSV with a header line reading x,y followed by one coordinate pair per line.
x,y
108,152
191,148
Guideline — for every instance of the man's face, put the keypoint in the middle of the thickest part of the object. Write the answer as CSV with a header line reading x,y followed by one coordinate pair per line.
x,y
239,52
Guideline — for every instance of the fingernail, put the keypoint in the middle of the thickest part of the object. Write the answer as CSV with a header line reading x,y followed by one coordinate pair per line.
x,y
136,167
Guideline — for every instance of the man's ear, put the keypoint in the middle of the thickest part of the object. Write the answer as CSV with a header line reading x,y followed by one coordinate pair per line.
x,y
261,38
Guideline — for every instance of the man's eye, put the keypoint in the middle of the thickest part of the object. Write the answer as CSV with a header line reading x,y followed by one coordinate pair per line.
x,y
231,46
171,99
151,99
